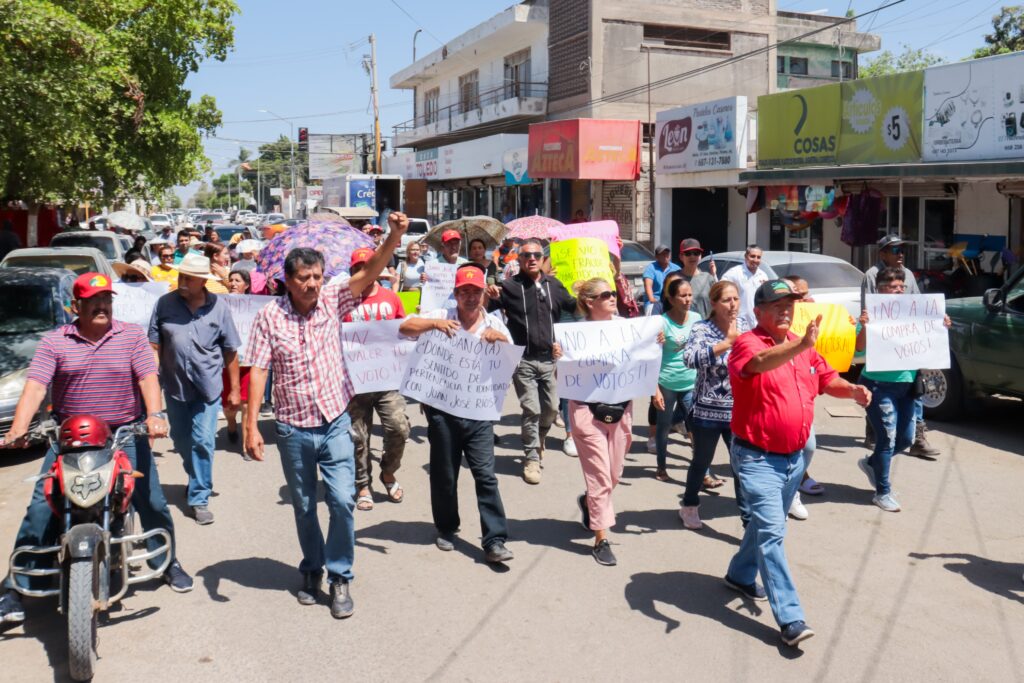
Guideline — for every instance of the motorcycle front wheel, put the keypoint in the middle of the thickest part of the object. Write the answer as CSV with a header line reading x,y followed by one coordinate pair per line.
x,y
82,618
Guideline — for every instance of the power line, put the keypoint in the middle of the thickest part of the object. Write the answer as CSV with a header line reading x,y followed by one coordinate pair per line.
x,y
315,116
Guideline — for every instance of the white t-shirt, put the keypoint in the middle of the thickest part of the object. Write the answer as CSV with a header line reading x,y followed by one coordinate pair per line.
x,y
747,283
490,320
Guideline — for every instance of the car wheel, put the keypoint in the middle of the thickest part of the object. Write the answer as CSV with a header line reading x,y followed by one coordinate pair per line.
x,y
946,401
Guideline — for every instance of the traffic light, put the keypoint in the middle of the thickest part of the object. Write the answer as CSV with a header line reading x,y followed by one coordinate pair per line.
x,y
303,139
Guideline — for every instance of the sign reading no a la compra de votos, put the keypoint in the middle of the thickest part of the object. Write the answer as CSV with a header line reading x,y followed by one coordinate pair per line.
x,y
609,361
906,332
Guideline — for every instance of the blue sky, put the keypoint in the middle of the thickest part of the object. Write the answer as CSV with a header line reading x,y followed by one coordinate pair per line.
x,y
303,58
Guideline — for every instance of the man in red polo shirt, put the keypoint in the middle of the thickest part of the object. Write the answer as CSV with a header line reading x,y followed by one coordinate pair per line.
x,y
775,377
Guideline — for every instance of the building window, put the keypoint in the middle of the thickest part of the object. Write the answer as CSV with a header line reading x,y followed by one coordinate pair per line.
x,y
517,75
780,64
469,92
687,37
847,69
798,66
431,105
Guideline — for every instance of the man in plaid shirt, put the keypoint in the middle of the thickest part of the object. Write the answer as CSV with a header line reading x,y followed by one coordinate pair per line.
x,y
299,335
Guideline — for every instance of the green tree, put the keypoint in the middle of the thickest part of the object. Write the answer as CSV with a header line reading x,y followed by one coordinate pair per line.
x,y
94,103
909,60
171,200
1007,33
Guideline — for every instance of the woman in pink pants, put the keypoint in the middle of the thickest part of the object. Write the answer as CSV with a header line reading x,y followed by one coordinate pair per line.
x,y
602,433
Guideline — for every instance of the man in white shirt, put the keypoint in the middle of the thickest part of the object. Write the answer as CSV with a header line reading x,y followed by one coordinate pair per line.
x,y
747,278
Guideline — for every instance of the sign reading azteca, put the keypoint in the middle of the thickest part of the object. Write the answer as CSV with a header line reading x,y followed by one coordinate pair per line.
x,y
703,137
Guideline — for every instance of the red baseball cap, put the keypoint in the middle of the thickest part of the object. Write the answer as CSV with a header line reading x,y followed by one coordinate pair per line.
x,y
470,276
90,284
361,255
449,235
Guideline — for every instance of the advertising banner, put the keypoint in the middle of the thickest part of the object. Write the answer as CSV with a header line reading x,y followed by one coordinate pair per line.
x,y
799,128
609,361
837,336
481,158
585,149
362,192
332,155
514,162
582,258
906,332
975,109
703,137
882,119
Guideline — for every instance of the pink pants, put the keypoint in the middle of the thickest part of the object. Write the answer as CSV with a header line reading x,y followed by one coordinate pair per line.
x,y
602,449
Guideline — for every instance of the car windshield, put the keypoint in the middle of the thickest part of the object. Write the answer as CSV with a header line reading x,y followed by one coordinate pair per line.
x,y
634,252
158,217
76,264
417,227
822,274
204,217
226,233
26,308
84,239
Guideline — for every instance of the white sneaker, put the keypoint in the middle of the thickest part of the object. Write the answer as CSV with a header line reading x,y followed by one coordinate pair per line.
x,y
652,445
797,509
887,503
569,448
690,517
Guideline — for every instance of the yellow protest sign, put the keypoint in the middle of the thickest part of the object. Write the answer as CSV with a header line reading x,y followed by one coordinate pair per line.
x,y
581,258
837,337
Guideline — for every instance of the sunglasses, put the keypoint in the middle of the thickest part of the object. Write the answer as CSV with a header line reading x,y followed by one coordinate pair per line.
x,y
605,295
693,253
531,254
895,250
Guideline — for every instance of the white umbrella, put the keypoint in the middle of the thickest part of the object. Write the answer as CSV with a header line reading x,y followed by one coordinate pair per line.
x,y
126,221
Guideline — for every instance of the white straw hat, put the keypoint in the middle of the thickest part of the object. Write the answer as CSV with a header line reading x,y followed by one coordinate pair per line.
x,y
195,265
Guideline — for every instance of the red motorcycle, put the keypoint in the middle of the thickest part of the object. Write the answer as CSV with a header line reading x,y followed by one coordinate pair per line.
x,y
89,489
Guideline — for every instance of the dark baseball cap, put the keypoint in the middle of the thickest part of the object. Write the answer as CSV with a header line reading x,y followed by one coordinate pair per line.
x,y
690,244
774,290
890,241
660,248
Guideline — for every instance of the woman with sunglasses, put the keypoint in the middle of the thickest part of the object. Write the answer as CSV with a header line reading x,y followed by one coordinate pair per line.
x,y
239,282
602,432
165,271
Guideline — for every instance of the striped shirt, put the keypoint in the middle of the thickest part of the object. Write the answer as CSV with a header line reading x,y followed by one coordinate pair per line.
x,y
311,385
95,378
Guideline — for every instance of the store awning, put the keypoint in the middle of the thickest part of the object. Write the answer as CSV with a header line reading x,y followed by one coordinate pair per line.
x,y
585,149
975,170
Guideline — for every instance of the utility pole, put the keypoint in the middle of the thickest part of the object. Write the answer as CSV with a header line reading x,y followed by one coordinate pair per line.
x,y
376,103
650,151
259,187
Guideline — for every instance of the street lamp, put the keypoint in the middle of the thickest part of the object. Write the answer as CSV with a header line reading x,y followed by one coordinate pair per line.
x,y
291,140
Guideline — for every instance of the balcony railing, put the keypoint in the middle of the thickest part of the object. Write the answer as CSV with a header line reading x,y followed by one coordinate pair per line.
x,y
509,91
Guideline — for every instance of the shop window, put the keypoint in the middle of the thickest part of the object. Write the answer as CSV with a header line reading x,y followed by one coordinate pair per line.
x,y
846,69
517,74
780,64
687,37
937,227
798,66
431,105
469,92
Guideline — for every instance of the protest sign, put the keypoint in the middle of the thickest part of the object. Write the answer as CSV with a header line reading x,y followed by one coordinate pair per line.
x,y
837,336
609,361
581,258
461,375
244,308
410,301
134,301
439,289
606,231
906,332
375,354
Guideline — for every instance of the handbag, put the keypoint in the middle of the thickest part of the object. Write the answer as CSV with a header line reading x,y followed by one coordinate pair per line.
x,y
925,383
608,413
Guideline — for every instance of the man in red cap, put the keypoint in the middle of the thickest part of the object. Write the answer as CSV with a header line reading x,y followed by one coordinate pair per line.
x,y
377,303
451,244
453,437
102,367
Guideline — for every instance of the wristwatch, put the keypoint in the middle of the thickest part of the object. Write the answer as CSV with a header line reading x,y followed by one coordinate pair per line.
x,y
160,414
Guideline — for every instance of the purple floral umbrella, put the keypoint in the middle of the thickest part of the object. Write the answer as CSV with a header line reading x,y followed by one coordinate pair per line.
x,y
336,240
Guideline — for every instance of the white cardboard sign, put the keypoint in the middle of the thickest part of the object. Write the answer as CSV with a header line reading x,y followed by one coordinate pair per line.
x,y
134,301
610,361
375,354
439,289
461,375
244,308
906,332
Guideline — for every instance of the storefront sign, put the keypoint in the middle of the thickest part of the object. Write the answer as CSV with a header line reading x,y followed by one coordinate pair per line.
x,y
474,159
579,259
799,128
882,119
375,355
585,149
703,137
906,332
837,336
609,361
975,110
514,162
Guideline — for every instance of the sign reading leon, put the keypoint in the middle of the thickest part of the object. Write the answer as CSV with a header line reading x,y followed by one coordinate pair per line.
x,y
906,332
703,137
610,361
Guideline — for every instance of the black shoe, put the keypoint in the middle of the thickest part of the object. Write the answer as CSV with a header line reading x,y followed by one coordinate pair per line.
x,y
582,502
445,542
177,579
232,436
796,632
342,606
602,552
11,611
309,593
753,591
497,552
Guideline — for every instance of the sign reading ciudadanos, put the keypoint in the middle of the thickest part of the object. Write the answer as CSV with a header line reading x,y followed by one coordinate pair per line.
x,y
799,128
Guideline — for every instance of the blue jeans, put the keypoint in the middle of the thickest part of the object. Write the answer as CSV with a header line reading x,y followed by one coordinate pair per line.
x,y
675,401
706,434
40,526
194,432
769,483
329,447
809,448
892,415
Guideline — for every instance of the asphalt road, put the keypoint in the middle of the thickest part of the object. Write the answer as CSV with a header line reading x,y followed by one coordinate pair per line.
x,y
934,592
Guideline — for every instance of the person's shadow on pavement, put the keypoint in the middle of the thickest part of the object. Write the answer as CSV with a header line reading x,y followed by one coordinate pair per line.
x,y
261,573
1001,578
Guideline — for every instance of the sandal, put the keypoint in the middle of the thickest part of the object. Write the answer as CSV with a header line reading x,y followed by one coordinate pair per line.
x,y
811,487
365,502
394,491
712,482
661,475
